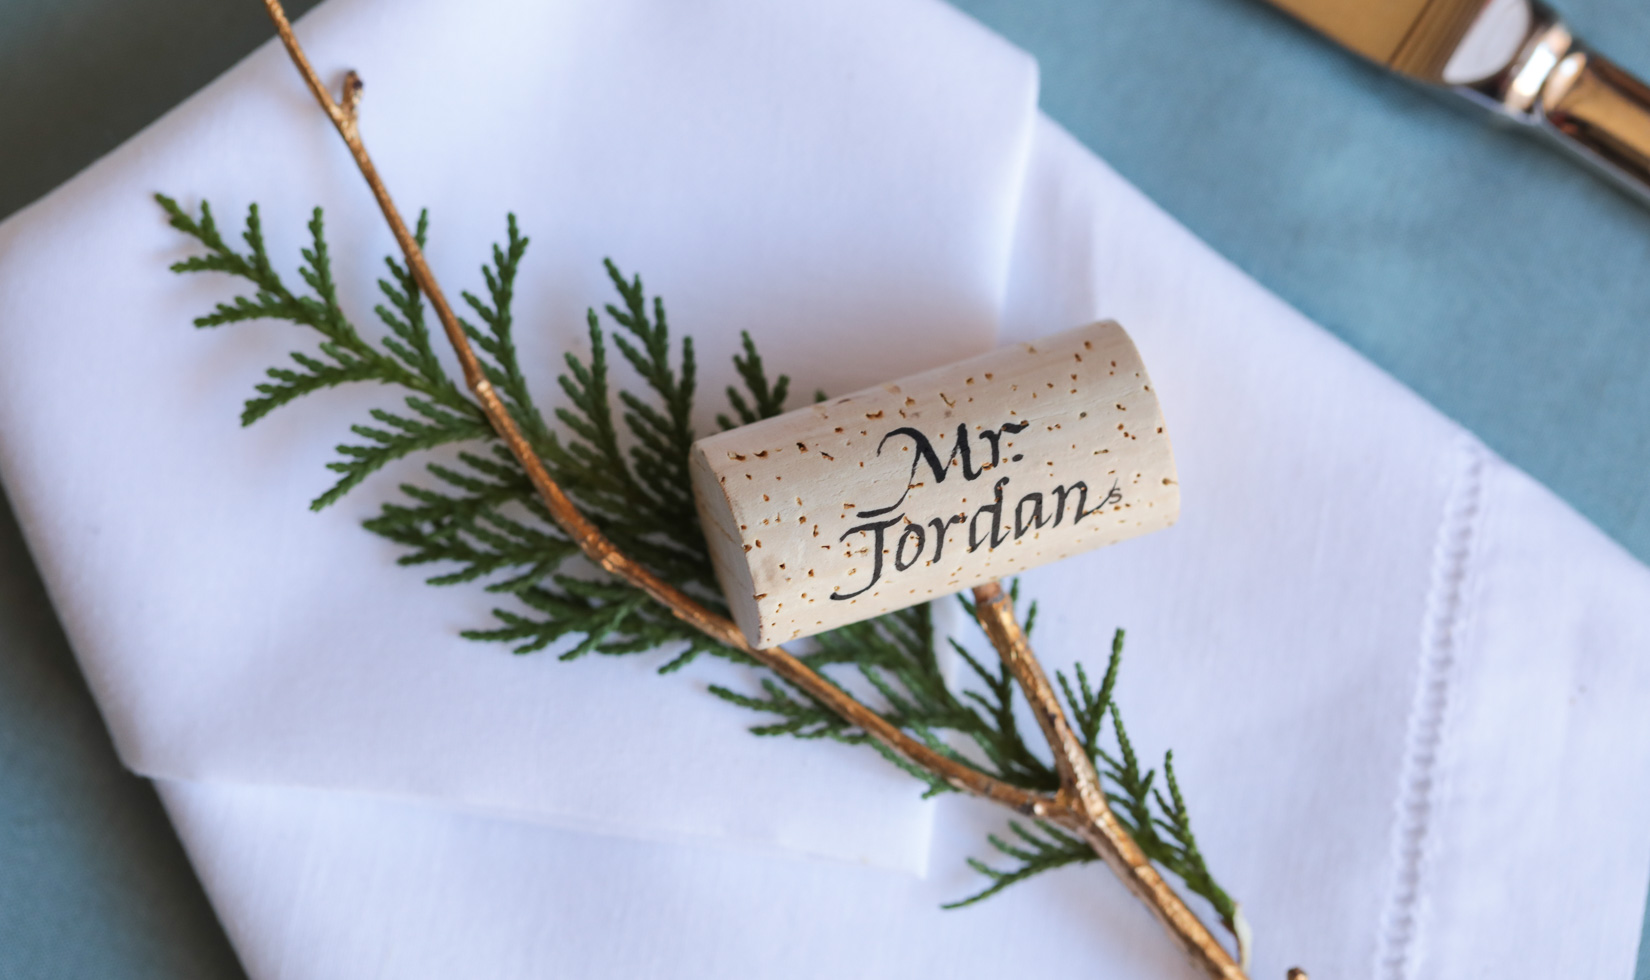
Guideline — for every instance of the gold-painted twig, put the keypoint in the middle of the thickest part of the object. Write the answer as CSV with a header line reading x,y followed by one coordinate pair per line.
x,y
1080,807
1084,806
591,541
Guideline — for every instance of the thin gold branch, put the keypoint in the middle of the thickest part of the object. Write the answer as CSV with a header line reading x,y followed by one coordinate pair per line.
x,y
1079,783
1085,809
591,541
1080,806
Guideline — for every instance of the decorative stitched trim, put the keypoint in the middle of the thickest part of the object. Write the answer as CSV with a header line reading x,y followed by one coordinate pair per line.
x,y
1398,943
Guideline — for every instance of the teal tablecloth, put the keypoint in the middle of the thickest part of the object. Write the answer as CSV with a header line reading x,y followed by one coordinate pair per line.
x,y
1502,282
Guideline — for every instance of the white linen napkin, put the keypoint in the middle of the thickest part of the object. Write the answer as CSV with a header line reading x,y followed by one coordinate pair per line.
x,y
1402,679
1403,735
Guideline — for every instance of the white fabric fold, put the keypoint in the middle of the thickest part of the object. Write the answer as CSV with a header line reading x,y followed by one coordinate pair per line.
x,y
730,154
1402,681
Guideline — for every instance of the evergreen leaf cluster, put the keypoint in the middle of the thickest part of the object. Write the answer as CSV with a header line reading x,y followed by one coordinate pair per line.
x,y
622,454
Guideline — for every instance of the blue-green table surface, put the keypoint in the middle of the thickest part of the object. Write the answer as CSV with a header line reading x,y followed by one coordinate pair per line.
x,y
1505,284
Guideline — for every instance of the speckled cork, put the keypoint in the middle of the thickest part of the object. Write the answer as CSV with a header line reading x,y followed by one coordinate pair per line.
x,y
922,487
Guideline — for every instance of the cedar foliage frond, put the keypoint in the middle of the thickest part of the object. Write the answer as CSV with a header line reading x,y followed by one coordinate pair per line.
x,y
438,412
477,519
1041,847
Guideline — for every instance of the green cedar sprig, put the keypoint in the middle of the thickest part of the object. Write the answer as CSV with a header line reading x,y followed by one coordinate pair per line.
x,y
477,519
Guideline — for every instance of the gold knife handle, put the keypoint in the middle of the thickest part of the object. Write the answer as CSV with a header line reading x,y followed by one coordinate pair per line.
x,y
1585,102
1603,113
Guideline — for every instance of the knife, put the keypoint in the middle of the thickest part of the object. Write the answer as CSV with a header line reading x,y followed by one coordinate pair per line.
x,y
1514,57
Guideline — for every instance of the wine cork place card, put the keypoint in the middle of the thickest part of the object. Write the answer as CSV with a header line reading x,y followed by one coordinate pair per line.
x,y
915,489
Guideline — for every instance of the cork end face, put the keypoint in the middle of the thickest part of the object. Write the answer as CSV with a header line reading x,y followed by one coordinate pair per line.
x,y
721,530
